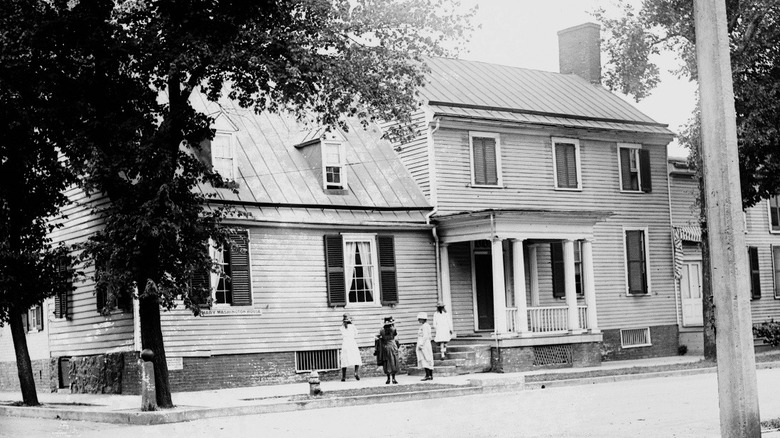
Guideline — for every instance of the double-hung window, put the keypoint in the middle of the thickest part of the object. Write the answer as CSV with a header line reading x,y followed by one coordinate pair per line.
x,y
360,269
333,168
566,163
229,281
223,155
634,164
637,272
32,320
485,159
774,214
755,273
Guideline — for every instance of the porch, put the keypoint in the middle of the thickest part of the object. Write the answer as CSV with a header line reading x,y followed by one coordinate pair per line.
x,y
505,262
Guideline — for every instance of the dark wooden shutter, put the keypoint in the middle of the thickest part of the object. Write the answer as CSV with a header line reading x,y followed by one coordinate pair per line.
x,y
239,270
491,166
566,165
201,279
100,299
61,304
774,212
559,279
387,270
644,170
635,251
39,317
755,274
24,321
334,270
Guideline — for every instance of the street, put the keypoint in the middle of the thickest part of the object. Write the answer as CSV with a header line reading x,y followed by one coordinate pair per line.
x,y
659,407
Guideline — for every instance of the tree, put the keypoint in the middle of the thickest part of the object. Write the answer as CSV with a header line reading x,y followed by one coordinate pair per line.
x,y
321,59
33,120
754,33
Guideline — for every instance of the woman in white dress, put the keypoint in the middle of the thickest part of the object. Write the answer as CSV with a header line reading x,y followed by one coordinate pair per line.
x,y
443,328
424,349
350,354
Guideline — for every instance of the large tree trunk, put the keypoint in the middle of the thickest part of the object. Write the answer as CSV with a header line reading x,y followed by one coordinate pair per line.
x,y
23,364
151,338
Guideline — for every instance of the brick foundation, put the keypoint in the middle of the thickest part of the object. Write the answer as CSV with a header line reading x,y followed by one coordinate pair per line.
x,y
9,375
517,359
665,340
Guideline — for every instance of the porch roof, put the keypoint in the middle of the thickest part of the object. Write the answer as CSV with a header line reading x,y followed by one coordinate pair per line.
x,y
518,224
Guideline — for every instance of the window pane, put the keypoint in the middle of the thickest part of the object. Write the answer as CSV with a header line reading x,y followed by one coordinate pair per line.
x,y
637,269
776,264
361,273
480,172
332,153
333,175
223,292
629,169
774,212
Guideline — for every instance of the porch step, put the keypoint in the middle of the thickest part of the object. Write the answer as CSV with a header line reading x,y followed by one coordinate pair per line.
x,y
464,348
437,371
464,355
449,362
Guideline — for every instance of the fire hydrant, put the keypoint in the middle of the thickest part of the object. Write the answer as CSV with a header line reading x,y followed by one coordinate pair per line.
x,y
314,383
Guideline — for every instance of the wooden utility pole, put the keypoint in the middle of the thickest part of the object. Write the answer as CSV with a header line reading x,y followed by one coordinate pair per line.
x,y
737,389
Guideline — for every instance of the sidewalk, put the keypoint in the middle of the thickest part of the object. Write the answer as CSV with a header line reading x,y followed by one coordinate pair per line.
x,y
124,409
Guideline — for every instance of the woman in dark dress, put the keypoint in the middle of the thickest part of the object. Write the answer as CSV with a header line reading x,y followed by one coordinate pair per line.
x,y
387,349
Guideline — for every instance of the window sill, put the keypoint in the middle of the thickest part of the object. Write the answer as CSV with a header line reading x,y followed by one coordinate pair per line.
x,y
632,192
485,186
340,192
358,305
639,295
568,189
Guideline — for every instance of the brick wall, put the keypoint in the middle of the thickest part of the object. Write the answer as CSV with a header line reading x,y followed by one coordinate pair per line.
x,y
516,359
9,375
664,339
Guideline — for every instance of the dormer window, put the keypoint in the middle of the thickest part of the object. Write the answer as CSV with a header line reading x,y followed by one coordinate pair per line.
x,y
223,155
333,166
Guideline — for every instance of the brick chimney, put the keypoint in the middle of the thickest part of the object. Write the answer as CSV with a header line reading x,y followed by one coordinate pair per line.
x,y
579,51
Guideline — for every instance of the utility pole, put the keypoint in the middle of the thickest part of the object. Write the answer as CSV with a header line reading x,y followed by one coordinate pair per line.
x,y
737,388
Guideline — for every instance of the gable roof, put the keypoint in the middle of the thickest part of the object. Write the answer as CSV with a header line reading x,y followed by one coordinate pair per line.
x,y
478,90
274,173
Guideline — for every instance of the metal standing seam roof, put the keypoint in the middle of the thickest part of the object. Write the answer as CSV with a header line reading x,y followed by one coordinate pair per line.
x,y
272,171
479,90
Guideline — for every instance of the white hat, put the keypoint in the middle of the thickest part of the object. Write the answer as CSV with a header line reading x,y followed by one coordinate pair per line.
x,y
422,315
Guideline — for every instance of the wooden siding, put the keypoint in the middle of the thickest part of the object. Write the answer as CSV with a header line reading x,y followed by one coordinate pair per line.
x,y
758,235
527,172
684,200
415,155
288,286
86,332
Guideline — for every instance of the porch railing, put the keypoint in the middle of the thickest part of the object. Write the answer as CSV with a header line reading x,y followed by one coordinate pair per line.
x,y
548,319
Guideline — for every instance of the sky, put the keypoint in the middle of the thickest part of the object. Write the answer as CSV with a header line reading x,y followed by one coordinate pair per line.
x,y
523,33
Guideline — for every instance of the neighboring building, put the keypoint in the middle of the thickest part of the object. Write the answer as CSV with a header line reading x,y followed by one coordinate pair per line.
x,y
551,210
762,237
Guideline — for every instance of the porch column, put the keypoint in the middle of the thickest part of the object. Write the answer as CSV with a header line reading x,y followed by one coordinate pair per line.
x,y
570,285
534,272
589,284
446,292
518,269
499,289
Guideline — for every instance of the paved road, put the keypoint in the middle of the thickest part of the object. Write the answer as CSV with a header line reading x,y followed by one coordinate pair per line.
x,y
661,407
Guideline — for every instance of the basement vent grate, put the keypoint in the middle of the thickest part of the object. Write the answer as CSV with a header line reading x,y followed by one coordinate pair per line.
x,y
630,338
552,355
319,360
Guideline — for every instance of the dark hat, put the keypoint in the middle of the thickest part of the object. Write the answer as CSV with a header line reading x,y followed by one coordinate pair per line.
x,y
346,318
389,320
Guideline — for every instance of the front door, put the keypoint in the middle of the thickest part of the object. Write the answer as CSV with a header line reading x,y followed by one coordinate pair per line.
x,y
690,289
483,276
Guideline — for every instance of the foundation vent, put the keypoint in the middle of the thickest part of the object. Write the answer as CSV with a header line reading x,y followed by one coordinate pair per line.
x,y
630,338
319,360
552,355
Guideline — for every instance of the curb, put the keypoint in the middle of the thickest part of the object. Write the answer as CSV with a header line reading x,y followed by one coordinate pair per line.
x,y
178,416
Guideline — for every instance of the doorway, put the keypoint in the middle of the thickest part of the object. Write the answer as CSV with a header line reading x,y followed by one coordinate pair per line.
x,y
690,290
483,284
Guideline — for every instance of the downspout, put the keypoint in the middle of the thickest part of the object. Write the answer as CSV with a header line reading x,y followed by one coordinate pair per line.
x,y
677,307
434,201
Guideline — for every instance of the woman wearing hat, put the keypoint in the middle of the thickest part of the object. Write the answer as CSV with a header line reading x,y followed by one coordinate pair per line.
x,y
424,349
350,354
387,351
443,327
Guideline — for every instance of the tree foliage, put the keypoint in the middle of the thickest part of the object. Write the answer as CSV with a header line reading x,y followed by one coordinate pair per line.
x,y
319,59
754,33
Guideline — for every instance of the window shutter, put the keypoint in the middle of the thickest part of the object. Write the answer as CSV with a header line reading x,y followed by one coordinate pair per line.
x,y
635,249
491,167
239,270
39,317
387,270
774,212
24,321
201,279
100,299
480,172
61,305
625,168
755,274
644,170
566,165
559,280
334,270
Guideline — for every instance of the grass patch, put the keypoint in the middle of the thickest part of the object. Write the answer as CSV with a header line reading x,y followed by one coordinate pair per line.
x,y
356,392
772,424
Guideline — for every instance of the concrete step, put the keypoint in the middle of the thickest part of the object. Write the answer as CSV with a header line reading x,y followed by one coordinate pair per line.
x,y
465,347
450,362
466,355
437,371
